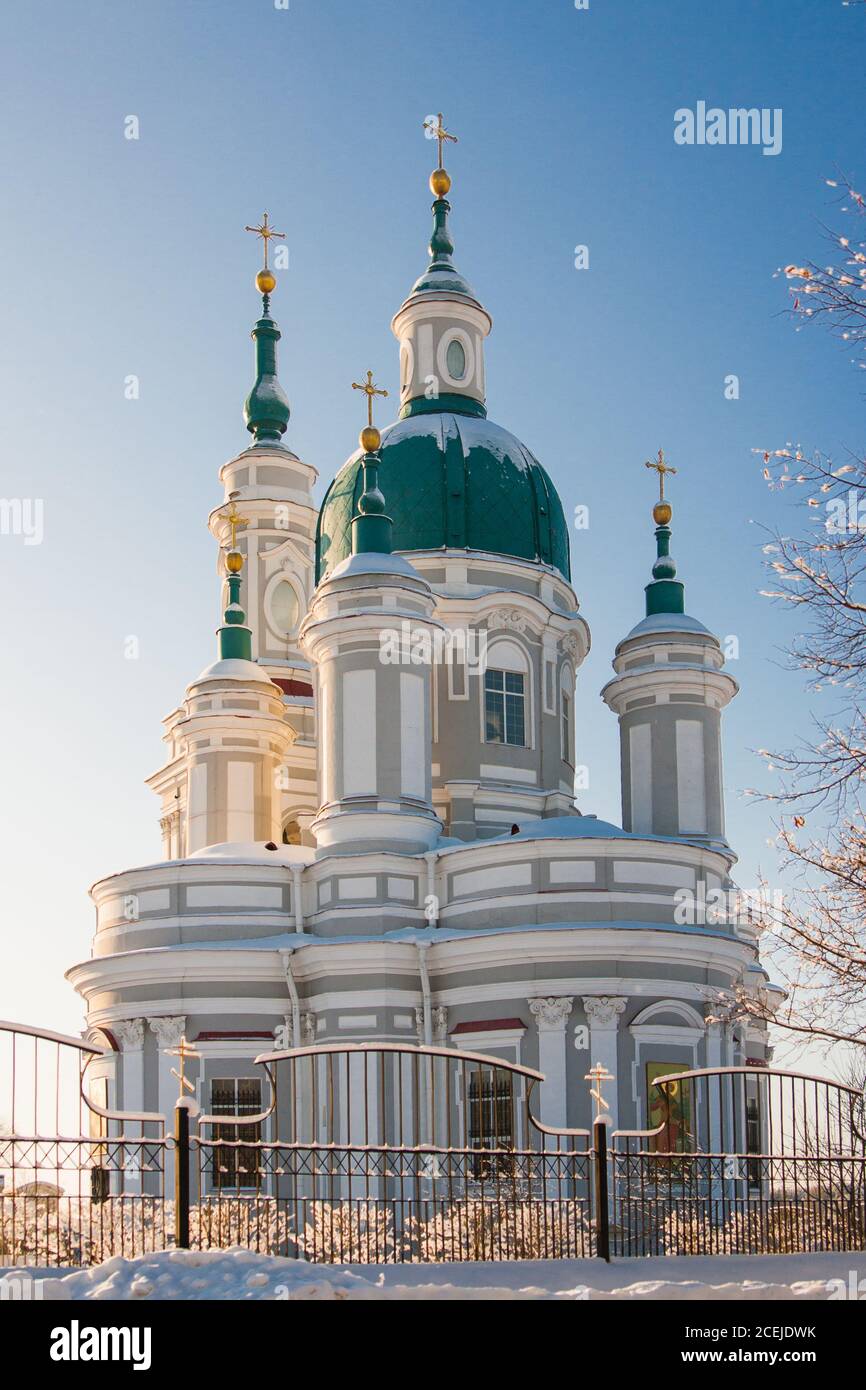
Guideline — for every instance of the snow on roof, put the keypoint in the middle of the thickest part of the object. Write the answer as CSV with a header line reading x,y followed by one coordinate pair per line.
x,y
413,936
668,622
581,828
241,852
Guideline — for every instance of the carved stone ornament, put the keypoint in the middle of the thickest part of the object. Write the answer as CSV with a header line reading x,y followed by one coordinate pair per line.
x,y
603,1010
551,1013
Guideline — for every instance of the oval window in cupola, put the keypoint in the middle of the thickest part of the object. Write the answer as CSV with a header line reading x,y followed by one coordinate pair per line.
x,y
455,360
284,607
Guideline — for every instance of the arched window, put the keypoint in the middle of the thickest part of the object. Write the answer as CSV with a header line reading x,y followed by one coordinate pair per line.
x,y
507,695
291,833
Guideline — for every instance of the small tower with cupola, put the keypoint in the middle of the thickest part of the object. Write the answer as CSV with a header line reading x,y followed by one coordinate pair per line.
x,y
441,327
232,737
668,693
374,700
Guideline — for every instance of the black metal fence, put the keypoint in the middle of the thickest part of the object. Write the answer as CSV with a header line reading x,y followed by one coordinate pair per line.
x,y
388,1153
384,1153
744,1160
79,1182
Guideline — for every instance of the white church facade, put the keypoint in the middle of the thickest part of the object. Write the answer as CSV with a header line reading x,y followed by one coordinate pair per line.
x,y
369,826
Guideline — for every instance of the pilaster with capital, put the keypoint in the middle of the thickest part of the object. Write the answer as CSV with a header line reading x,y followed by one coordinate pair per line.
x,y
129,1034
551,1015
603,1014
438,1025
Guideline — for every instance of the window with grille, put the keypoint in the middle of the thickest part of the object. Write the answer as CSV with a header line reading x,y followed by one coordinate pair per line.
x,y
505,708
234,1165
491,1120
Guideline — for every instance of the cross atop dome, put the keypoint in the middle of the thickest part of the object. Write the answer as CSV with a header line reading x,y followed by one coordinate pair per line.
x,y
440,181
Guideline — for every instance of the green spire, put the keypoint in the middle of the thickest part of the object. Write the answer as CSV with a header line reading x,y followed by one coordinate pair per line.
x,y
666,593
371,528
266,409
235,638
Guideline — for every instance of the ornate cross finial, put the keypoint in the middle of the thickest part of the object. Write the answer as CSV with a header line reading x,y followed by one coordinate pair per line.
x,y
439,133
661,468
370,390
599,1074
183,1051
235,520
266,232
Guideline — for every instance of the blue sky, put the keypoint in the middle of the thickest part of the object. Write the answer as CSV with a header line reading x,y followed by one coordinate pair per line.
x,y
129,257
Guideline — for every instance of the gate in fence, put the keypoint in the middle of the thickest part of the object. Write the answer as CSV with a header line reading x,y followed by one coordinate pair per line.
x,y
745,1160
79,1182
391,1153
372,1153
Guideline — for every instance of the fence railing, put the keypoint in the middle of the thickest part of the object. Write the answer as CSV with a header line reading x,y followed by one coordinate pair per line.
x,y
386,1152
79,1182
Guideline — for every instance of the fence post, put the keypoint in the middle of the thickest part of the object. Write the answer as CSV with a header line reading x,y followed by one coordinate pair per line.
x,y
181,1176
602,1212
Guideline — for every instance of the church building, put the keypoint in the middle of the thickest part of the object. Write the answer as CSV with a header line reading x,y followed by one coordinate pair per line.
x,y
367,801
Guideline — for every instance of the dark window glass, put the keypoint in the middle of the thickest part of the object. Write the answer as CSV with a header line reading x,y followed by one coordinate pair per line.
x,y
504,708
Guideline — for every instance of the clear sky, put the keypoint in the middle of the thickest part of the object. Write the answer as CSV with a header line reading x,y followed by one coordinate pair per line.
x,y
124,257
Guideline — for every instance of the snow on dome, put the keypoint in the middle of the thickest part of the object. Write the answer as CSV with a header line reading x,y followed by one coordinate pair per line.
x,y
234,669
667,622
373,562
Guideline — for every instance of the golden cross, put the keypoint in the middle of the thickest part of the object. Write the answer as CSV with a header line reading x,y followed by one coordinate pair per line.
x,y
438,132
599,1074
183,1050
265,231
370,390
661,468
234,522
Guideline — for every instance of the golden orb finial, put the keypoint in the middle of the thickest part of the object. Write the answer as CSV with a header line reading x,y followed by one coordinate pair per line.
x,y
440,183
370,439
266,281
662,513
234,562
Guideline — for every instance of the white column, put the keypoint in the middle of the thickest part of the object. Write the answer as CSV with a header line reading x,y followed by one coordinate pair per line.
x,y
551,1016
603,1014
169,1031
130,1036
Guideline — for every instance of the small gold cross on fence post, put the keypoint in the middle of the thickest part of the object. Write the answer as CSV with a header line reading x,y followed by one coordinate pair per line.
x,y
266,232
182,1051
439,133
370,390
599,1074
661,468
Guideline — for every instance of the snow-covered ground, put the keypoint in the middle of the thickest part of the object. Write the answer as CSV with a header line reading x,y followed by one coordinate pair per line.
x,y
242,1274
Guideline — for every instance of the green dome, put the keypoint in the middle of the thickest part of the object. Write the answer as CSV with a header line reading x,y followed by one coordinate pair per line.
x,y
451,481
